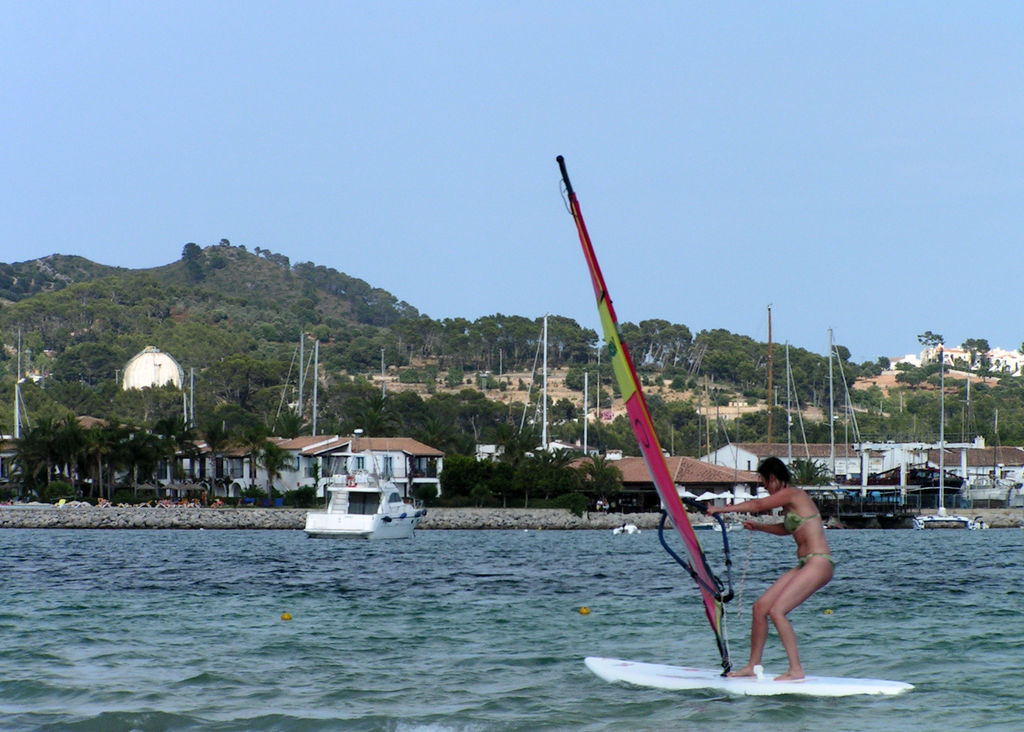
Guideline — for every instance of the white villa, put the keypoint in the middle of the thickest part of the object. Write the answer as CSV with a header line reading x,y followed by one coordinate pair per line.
x,y
853,463
748,455
999,359
407,462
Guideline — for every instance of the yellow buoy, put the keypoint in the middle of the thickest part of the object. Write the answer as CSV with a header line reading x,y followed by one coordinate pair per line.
x,y
286,616
584,610
828,611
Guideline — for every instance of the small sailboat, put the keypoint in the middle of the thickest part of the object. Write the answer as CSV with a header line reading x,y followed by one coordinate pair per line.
x,y
626,529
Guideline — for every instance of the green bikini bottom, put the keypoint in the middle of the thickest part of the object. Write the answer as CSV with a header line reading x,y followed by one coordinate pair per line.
x,y
801,561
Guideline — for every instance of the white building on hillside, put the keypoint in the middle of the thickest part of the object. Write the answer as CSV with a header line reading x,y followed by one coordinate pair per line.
x,y
1000,361
152,367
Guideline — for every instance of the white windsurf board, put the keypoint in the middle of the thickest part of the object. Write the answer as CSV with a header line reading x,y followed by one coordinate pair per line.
x,y
675,678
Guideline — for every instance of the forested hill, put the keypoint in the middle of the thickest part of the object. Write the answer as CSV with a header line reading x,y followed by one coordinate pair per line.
x,y
47,274
233,317
223,300
83,321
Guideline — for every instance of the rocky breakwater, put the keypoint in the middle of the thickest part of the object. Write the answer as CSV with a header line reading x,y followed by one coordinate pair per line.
x,y
86,516
531,518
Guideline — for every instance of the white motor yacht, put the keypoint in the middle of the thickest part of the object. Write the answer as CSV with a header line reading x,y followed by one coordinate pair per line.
x,y
361,506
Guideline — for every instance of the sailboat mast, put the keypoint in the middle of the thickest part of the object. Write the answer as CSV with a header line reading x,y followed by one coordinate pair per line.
x,y
17,393
831,418
770,400
942,430
967,411
544,408
995,452
707,417
586,409
789,417
302,369
316,379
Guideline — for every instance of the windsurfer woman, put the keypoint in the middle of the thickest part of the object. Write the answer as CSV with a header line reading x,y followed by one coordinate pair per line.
x,y
813,570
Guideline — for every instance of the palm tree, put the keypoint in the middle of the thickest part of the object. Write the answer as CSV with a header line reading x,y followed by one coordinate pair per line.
x,y
289,424
34,455
102,444
272,459
217,439
516,443
437,432
552,473
179,439
809,472
374,416
254,440
600,477
142,452
67,446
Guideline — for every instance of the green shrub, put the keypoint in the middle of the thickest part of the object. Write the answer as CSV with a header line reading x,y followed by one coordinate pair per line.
x,y
259,491
124,495
56,490
425,493
410,376
576,503
304,497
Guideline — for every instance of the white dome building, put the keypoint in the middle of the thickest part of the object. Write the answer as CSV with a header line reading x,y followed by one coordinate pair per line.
x,y
152,367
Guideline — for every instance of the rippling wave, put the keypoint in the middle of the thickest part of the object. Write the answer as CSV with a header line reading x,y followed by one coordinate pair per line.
x,y
480,630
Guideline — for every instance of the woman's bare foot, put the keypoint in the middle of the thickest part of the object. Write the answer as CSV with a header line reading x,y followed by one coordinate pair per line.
x,y
747,670
791,675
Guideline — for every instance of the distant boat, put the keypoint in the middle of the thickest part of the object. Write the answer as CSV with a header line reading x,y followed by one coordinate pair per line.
x,y
361,506
942,520
992,491
626,529
729,526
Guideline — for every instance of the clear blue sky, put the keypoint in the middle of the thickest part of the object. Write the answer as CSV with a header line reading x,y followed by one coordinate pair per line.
x,y
855,165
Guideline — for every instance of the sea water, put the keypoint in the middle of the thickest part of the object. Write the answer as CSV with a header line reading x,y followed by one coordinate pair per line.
x,y
482,630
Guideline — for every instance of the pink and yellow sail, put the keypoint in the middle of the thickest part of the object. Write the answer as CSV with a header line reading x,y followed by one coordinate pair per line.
x,y
643,428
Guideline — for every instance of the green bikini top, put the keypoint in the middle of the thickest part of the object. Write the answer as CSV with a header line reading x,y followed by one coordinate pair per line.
x,y
794,521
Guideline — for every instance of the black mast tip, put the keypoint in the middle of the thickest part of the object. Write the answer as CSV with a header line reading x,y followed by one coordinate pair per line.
x,y
565,174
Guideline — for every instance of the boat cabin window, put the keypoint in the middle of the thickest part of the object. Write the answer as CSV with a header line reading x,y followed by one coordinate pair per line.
x,y
334,465
359,462
364,504
394,498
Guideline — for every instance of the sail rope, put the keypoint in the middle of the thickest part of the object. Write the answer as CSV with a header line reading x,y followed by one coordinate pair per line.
x,y
743,576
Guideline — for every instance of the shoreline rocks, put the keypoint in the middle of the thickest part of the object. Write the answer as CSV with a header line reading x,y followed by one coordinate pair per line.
x,y
86,516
